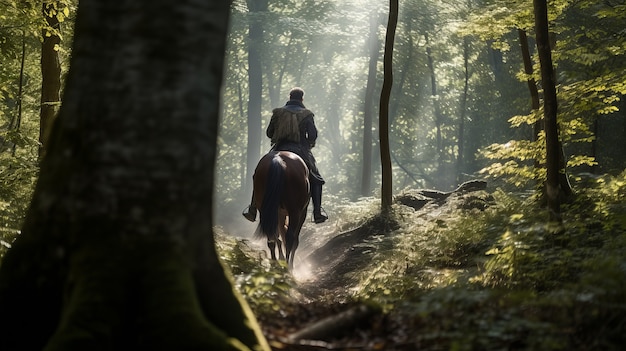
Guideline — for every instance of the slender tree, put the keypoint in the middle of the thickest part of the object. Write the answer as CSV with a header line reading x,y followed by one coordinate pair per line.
x,y
463,110
16,120
117,249
255,86
385,94
434,96
366,169
553,151
532,84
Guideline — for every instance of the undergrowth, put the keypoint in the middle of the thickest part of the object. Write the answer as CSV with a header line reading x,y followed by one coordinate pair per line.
x,y
18,174
504,278
483,278
487,277
265,284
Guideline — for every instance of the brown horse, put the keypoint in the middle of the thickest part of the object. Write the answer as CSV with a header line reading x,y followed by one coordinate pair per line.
x,y
281,194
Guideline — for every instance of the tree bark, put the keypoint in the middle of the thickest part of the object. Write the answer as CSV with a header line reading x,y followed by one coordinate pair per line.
x,y
255,87
441,173
333,126
335,325
50,75
366,169
532,87
433,94
117,249
532,84
552,187
463,111
385,153
16,119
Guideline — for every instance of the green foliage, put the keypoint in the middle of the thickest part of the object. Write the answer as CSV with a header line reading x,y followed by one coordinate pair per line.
x,y
21,32
516,166
533,255
589,57
18,175
524,282
457,319
265,284
425,253
482,271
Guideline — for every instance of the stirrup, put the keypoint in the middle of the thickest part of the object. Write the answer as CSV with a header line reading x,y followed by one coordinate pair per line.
x,y
249,215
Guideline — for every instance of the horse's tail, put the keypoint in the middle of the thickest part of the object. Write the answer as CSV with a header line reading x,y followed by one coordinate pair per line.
x,y
268,223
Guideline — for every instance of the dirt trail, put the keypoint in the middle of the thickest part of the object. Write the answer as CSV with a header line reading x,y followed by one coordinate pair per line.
x,y
327,258
328,266
329,262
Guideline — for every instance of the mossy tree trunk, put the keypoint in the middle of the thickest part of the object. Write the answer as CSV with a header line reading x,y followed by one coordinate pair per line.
x,y
117,249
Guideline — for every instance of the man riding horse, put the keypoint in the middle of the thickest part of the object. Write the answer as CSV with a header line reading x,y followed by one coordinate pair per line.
x,y
292,128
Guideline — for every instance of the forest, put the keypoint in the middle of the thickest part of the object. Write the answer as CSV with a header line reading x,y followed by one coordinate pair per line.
x,y
475,175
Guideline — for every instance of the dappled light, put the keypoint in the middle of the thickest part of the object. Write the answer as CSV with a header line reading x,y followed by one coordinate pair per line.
x,y
498,127
449,259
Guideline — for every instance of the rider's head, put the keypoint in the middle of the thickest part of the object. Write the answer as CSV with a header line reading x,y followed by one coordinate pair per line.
x,y
296,94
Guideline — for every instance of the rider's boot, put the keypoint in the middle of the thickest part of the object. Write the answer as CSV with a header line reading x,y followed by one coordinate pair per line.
x,y
316,196
250,213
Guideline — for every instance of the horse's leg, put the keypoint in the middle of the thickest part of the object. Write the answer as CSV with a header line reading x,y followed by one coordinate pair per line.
x,y
289,247
282,229
271,244
279,243
295,238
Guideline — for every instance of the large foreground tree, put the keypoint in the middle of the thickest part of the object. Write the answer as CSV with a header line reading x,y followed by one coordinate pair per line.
x,y
117,251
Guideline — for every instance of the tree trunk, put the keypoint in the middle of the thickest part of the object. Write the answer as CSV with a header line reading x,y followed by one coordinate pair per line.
x,y
366,169
274,86
16,119
333,118
50,75
441,173
433,93
255,87
404,70
463,110
532,84
117,249
552,188
303,61
385,154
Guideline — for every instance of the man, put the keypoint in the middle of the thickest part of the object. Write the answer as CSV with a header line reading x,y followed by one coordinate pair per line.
x,y
292,128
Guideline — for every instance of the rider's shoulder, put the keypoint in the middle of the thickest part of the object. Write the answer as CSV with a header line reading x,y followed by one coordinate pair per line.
x,y
298,110
304,112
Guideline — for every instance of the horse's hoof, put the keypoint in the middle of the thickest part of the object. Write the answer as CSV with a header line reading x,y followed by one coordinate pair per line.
x,y
250,215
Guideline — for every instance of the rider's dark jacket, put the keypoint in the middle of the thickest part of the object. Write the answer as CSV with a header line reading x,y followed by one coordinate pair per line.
x,y
292,128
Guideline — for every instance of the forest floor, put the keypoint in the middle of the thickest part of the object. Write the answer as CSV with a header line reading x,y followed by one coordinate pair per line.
x,y
470,269
323,313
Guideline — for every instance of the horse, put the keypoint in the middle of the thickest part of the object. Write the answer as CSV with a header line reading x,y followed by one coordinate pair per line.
x,y
281,194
